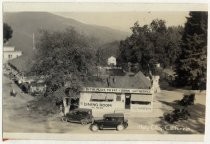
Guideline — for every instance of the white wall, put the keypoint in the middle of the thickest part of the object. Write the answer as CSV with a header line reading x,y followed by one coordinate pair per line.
x,y
100,108
156,86
141,108
8,55
9,48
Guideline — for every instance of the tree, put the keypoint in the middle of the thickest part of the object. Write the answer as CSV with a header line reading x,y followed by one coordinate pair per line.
x,y
63,57
136,48
191,66
150,44
7,30
173,49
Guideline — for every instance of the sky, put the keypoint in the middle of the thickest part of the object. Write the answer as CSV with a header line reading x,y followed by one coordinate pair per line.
x,y
124,20
119,16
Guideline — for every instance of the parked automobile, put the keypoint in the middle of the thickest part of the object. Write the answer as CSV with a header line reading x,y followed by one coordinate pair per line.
x,y
188,99
80,115
37,88
113,120
176,115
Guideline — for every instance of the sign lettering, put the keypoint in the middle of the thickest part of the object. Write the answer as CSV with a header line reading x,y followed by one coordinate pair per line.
x,y
96,105
117,90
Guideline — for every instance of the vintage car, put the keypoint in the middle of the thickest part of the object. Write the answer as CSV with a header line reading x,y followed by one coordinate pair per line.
x,y
80,115
188,99
113,120
37,88
176,115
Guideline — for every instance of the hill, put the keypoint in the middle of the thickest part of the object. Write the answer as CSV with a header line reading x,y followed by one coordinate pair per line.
x,y
24,24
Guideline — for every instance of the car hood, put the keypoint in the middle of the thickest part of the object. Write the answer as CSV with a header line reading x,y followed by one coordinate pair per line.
x,y
98,121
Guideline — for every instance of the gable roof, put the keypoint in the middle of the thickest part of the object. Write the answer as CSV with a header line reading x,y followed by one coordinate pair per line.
x,y
137,81
21,64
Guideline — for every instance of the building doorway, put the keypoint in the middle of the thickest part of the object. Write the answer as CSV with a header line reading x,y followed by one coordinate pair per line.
x,y
127,101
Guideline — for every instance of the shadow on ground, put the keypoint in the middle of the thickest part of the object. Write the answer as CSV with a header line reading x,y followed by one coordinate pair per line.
x,y
194,125
164,85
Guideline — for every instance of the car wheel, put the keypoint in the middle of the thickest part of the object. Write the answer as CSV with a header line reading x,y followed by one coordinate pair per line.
x,y
84,122
94,128
185,117
120,127
64,119
171,120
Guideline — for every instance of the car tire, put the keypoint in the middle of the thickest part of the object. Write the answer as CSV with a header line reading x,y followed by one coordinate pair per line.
x,y
185,117
120,127
84,122
64,119
94,128
171,120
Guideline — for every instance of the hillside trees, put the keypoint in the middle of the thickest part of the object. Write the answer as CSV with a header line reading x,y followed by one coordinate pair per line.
x,y
150,44
63,57
7,32
191,66
105,51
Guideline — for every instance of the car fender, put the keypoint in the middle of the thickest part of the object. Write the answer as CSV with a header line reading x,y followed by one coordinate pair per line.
x,y
101,126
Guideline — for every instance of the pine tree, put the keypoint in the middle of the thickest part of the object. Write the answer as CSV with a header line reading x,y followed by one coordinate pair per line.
x,y
7,31
192,64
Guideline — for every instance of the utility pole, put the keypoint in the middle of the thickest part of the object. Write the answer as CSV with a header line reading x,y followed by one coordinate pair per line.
x,y
34,47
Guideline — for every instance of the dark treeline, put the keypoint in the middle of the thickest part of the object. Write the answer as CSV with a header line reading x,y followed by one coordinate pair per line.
x,y
183,49
7,32
149,44
191,65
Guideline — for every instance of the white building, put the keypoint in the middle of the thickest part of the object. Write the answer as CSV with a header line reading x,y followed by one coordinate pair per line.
x,y
112,61
109,100
118,94
9,53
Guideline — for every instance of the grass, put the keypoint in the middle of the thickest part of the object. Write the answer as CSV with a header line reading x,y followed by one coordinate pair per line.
x,y
44,105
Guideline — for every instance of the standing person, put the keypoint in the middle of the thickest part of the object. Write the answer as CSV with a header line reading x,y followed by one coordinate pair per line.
x,y
27,107
13,92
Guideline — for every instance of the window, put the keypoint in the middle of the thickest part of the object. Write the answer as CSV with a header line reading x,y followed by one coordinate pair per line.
x,y
109,100
118,98
108,118
109,97
102,97
10,56
141,102
97,100
98,97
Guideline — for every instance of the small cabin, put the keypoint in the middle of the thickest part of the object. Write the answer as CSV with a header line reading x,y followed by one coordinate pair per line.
x,y
112,61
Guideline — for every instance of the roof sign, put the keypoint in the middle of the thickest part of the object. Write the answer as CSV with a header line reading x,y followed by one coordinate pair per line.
x,y
116,90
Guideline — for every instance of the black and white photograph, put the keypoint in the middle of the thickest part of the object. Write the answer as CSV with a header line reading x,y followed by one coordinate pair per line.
x,y
103,68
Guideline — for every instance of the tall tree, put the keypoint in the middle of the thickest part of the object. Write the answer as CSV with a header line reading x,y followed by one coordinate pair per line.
x,y
192,64
150,44
7,30
173,49
63,57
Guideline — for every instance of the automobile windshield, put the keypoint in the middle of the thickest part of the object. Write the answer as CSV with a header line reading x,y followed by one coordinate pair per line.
x,y
82,113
